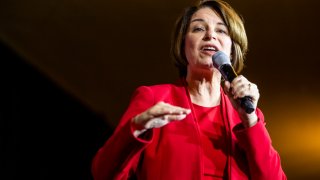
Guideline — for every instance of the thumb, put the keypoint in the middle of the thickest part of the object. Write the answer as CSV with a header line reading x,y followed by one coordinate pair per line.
x,y
227,90
226,87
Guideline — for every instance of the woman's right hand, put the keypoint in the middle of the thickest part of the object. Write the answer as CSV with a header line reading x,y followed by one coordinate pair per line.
x,y
158,116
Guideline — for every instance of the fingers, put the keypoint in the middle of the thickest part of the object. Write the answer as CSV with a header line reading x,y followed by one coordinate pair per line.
x,y
241,87
156,123
226,86
160,114
163,120
162,108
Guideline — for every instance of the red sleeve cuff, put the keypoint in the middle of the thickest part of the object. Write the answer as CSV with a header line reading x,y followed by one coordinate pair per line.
x,y
254,138
145,137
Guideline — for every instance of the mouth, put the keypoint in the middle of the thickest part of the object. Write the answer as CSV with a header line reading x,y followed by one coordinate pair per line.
x,y
209,49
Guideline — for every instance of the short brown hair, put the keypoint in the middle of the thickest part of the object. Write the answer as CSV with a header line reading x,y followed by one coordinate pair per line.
x,y
235,27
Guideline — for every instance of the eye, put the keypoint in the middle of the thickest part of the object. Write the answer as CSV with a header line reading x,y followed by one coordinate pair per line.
x,y
222,31
197,29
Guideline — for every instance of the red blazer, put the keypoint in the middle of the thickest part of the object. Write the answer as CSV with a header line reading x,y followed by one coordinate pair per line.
x,y
173,152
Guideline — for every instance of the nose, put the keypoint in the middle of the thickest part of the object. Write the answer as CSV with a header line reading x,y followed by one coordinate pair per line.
x,y
210,35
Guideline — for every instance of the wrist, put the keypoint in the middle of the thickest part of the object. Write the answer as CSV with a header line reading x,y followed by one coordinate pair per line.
x,y
137,129
249,120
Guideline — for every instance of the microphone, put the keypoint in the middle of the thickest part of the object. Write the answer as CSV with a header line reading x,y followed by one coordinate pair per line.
x,y
222,62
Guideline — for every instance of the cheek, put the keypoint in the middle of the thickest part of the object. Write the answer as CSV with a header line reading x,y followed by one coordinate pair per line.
x,y
227,44
189,48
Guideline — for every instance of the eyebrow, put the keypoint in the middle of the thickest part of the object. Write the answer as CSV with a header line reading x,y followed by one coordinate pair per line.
x,y
202,20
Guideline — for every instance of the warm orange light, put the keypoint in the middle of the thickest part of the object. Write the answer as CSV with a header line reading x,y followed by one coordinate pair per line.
x,y
294,125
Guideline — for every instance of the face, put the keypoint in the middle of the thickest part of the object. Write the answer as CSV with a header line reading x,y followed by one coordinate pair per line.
x,y
206,35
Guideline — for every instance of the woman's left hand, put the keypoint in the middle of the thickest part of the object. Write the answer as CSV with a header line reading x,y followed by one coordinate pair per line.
x,y
238,88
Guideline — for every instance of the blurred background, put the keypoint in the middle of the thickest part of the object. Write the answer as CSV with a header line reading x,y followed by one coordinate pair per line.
x,y
68,70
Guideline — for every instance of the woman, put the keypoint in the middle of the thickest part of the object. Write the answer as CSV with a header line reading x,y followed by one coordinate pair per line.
x,y
194,129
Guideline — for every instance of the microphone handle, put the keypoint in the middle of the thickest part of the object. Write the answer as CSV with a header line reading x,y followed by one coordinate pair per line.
x,y
229,74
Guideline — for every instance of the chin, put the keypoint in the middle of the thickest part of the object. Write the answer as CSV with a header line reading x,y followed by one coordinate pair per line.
x,y
208,69
209,66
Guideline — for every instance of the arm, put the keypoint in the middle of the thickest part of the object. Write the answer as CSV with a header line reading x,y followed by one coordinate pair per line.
x,y
264,161
253,137
120,154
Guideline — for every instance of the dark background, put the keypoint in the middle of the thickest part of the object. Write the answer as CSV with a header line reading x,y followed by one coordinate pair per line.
x,y
68,69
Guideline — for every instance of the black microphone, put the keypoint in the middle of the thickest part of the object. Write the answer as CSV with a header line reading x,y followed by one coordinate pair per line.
x,y
222,62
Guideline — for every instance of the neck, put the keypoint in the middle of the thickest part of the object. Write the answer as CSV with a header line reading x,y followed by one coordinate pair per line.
x,y
204,88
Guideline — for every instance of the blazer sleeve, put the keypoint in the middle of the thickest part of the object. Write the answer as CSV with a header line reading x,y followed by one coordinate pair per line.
x,y
264,161
120,154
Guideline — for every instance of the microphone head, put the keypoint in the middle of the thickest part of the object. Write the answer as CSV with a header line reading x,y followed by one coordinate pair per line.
x,y
219,59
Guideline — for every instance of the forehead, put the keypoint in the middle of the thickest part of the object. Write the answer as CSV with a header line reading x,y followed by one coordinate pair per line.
x,y
207,14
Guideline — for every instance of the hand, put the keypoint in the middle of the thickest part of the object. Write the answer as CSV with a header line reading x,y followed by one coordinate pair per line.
x,y
157,116
238,88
